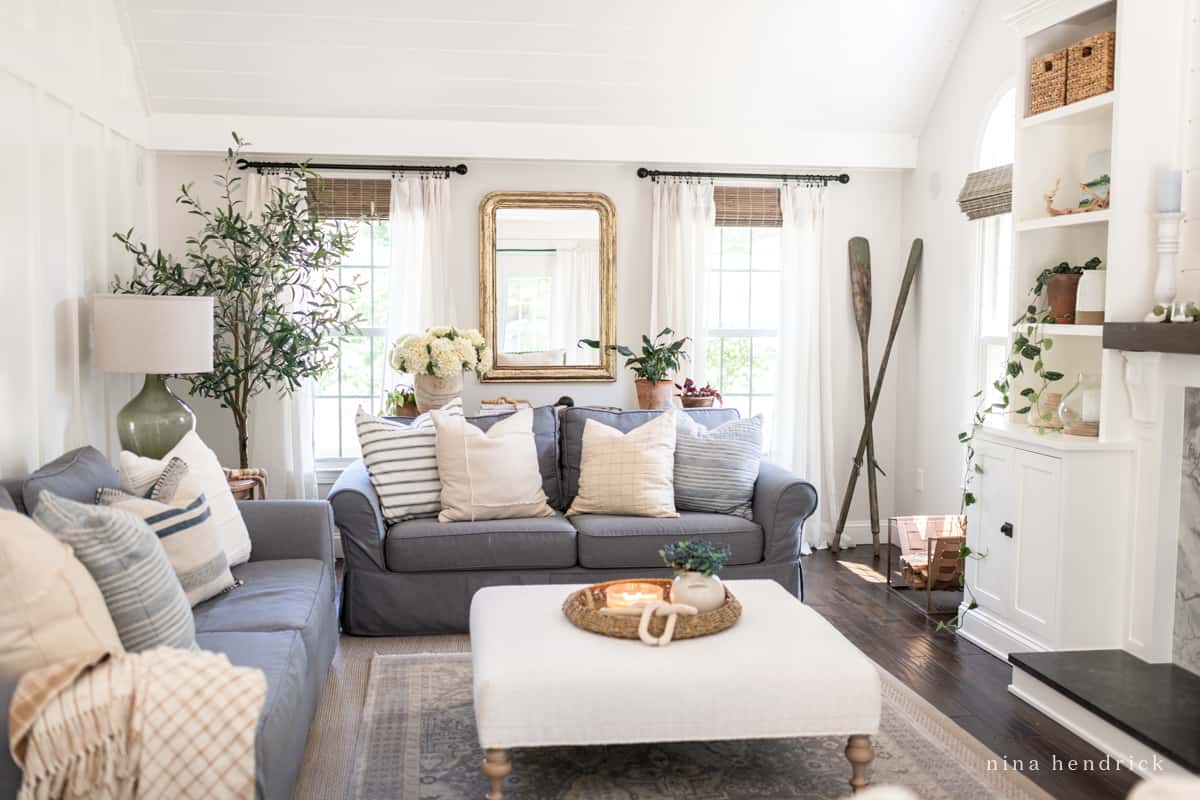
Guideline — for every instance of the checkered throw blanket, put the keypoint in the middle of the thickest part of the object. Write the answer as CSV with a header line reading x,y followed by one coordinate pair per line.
x,y
161,723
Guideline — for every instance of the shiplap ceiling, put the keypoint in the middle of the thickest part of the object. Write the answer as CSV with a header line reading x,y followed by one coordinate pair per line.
x,y
816,64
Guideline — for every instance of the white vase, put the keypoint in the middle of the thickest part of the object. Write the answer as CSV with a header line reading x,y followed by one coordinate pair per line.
x,y
703,592
1089,297
434,392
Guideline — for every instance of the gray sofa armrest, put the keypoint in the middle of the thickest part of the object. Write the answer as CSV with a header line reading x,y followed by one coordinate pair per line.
x,y
782,502
10,773
358,517
283,529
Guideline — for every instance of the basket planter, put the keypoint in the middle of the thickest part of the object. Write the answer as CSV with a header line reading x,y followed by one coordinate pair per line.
x,y
651,394
1091,66
1048,82
434,392
1060,292
697,402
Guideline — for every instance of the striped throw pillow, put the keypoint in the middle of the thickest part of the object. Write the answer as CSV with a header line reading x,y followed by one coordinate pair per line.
x,y
715,469
402,463
184,524
127,562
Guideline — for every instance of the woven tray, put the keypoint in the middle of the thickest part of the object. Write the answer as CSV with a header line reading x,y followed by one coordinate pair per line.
x,y
582,608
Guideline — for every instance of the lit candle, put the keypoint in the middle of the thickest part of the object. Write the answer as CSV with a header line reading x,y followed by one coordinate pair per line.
x,y
1170,191
629,595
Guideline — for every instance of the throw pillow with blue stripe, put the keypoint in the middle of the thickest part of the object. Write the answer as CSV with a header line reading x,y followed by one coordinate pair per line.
x,y
715,469
128,563
184,525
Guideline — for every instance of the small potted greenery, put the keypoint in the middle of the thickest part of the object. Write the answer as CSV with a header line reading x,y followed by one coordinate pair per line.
x,y
402,402
657,360
696,563
694,396
1061,283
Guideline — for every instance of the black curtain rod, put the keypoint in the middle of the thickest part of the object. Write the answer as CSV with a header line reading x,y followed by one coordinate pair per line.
x,y
825,179
242,163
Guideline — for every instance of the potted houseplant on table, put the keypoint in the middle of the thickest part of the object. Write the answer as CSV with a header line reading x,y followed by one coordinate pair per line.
x,y
279,310
693,396
1061,283
658,359
401,402
696,563
437,360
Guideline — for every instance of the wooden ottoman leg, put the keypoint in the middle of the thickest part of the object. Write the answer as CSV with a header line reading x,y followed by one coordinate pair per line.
x,y
496,765
860,753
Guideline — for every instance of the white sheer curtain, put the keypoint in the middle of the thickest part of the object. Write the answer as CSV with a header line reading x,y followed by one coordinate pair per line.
x,y
575,300
684,224
281,435
803,430
419,289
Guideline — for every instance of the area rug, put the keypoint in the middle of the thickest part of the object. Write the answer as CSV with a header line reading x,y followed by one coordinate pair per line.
x,y
418,741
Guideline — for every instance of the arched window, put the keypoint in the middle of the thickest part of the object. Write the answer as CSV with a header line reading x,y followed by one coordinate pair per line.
x,y
995,251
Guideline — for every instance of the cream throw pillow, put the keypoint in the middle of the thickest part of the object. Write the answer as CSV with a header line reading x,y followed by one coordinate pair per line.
x,y
51,609
205,477
628,473
492,475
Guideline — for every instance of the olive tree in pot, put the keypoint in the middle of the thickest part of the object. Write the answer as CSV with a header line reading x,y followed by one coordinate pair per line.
x,y
653,367
279,308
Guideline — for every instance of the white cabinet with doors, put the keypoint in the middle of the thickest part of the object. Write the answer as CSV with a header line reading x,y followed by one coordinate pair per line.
x,y
1049,523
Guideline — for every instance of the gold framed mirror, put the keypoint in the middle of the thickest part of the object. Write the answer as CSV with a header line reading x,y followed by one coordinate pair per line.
x,y
548,278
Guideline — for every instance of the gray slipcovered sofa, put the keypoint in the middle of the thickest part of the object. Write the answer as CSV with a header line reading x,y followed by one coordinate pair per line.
x,y
418,576
282,619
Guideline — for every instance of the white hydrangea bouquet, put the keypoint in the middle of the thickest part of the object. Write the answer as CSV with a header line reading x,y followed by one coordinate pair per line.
x,y
437,360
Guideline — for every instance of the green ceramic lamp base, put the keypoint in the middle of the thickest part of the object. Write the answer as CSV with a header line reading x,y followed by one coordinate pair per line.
x,y
155,420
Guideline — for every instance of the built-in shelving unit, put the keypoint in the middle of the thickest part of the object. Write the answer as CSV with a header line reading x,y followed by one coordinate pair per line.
x,y
1065,221
1073,330
1079,112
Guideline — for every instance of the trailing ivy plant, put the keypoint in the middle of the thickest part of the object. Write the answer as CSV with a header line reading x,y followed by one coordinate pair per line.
x,y
279,308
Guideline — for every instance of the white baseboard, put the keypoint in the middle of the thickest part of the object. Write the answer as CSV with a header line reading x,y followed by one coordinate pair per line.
x,y
1091,728
856,533
979,627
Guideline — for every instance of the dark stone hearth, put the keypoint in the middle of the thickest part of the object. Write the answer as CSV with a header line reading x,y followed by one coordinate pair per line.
x,y
1157,704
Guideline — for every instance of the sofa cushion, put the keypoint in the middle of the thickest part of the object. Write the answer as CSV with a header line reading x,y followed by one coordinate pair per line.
x,y
292,687
572,434
607,542
75,475
426,545
274,596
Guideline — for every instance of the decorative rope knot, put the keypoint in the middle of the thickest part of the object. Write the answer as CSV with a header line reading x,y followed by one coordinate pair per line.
x,y
654,608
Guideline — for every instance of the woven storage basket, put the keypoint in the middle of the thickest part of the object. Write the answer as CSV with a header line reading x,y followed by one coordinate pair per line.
x,y
1091,66
1048,82
582,608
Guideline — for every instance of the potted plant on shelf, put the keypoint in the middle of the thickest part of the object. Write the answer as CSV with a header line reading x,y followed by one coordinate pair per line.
x,y
437,360
696,564
401,402
1061,283
657,360
693,396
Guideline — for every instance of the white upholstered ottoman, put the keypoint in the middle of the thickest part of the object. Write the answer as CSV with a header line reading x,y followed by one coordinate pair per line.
x,y
782,671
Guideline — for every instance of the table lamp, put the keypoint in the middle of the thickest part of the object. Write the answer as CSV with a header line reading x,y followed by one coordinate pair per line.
x,y
158,335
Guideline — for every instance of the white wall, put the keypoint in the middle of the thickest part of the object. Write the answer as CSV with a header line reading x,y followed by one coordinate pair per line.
x,y
868,206
73,170
936,369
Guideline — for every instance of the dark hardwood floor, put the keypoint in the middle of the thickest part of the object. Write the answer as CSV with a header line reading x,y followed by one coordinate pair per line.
x,y
961,680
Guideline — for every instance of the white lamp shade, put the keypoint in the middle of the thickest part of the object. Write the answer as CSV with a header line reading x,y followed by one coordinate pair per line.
x,y
155,334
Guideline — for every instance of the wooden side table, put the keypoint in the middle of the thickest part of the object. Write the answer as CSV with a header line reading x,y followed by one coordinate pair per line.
x,y
246,483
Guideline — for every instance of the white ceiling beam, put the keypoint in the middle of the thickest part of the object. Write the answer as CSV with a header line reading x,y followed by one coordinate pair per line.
x,y
378,138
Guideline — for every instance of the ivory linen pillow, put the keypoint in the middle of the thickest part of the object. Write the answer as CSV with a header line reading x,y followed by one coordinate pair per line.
x,y
51,609
492,475
206,477
628,473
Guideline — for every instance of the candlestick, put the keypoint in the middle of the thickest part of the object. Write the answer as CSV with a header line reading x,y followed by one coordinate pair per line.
x,y
1168,224
1170,191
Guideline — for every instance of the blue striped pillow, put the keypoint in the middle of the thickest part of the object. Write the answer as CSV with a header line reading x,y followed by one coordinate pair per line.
x,y
128,563
715,470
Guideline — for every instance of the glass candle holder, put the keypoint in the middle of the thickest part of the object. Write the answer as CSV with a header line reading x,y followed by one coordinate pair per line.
x,y
1080,407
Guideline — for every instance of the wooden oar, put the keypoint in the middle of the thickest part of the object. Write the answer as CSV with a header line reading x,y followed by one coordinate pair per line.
x,y
860,293
914,262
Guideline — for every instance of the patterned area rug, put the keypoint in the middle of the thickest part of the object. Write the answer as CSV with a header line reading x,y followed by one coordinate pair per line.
x,y
418,741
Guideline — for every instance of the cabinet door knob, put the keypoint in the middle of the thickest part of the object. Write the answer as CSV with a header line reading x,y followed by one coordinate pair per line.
x,y
1007,529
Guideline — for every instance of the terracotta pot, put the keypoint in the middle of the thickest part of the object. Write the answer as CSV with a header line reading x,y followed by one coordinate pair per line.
x,y
655,395
697,402
433,392
1060,293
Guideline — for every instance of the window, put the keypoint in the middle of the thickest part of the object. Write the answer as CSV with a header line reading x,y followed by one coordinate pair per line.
x,y
743,319
994,254
358,378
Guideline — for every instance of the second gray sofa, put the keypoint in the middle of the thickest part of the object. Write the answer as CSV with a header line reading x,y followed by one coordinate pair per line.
x,y
418,576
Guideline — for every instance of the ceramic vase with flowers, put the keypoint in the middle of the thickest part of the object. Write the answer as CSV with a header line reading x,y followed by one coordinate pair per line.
x,y
437,360
696,563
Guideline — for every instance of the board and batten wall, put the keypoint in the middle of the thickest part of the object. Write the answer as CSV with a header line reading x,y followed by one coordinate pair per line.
x,y
868,206
74,169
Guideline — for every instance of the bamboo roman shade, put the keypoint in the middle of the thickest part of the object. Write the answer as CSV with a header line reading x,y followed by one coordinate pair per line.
x,y
748,206
987,193
350,198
